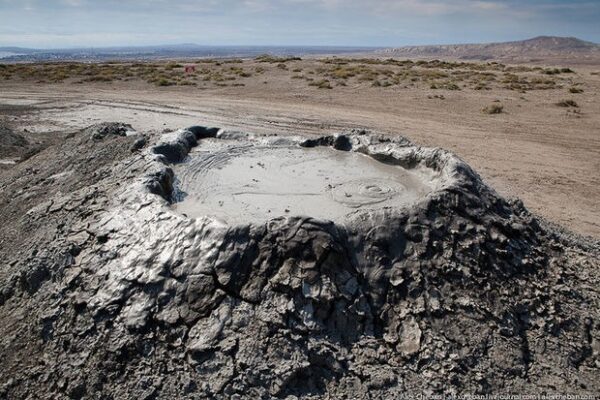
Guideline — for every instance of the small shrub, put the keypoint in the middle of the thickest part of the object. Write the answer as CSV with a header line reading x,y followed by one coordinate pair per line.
x,y
322,84
493,109
369,75
98,78
173,65
164,82
567,103
551,71
343,73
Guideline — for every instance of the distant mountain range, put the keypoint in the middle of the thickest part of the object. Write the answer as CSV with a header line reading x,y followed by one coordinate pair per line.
x,y
541,47
16,54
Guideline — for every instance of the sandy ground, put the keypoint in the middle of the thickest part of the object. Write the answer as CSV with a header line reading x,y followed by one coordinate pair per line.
x,y
535,150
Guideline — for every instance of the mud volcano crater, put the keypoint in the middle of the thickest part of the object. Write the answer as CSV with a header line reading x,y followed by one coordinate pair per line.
x,y
345,266
302,266
239,179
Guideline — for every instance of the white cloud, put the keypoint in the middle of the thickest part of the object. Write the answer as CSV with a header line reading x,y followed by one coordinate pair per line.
x,y
72,3
97,22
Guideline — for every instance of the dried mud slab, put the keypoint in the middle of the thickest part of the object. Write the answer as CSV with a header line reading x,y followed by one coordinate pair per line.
x,y
413,277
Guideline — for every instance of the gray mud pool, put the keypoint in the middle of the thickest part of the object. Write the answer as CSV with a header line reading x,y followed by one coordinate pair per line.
x,y
251,183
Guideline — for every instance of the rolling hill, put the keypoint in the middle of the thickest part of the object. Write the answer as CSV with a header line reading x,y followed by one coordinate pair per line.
x,y
540,48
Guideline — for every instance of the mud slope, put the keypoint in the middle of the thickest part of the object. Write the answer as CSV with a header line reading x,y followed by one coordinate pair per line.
x,y
11,143
121,295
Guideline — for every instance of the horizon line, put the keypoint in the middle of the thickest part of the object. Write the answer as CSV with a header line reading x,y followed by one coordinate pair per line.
x,y
124,46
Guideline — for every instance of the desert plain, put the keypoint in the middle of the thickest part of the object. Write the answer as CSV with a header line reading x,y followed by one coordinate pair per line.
x,y
531,130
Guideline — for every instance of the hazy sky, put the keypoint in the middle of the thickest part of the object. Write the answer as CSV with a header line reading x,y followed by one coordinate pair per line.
x,y
70,23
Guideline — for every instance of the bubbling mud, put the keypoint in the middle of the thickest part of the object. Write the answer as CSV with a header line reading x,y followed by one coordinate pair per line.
x,y
241,182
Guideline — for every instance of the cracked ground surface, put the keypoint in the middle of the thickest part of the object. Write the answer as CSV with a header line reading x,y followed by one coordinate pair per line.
x,y
107,293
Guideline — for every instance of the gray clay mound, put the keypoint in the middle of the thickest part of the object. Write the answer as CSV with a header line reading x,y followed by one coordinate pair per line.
x,y
12,144
348,266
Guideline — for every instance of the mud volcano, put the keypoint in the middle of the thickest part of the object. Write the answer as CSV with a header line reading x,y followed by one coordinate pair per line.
x,y
244,180
352,266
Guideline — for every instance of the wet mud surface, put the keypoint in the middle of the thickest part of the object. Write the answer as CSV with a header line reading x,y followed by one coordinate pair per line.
x,y
109,291
242,181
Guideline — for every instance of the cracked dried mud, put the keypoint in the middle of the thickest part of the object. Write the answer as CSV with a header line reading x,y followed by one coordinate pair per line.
x,y
453,290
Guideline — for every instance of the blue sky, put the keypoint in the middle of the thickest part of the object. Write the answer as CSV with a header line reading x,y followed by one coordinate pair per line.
x,y
93,23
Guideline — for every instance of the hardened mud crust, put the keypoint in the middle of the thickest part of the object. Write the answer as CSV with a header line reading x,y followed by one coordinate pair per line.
x,y
462,292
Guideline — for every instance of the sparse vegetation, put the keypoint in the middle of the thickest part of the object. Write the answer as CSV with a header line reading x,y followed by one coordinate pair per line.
x,y
98,78
164,82
173,65
338,71
321,84
267,58
556,71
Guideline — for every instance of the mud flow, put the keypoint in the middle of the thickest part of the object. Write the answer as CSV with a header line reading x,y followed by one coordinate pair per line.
x,y
240,183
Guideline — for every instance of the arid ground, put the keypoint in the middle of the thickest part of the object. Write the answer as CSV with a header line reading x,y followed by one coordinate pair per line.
x,y
532,132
